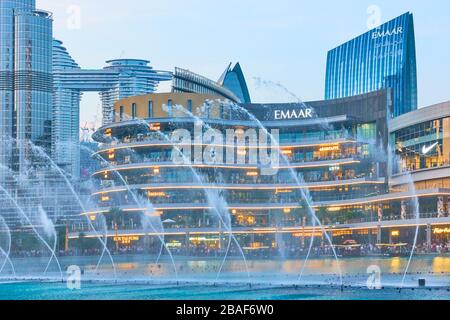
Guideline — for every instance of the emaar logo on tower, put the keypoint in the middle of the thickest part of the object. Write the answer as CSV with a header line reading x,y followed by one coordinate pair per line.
x,y
387,33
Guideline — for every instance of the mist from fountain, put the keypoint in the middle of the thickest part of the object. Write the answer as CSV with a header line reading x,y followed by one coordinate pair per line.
x,y
308,254
27,219
50,231
5,242
82,206
138,203
151,220
212,198
300,182
215,200
305,194
101,224
217,204
416,208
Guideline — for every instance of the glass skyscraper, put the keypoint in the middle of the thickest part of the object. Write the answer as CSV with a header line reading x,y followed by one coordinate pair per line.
x,y
384,57
25,78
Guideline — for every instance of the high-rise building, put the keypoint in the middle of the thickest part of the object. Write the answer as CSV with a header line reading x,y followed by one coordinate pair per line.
x,y
234,80
25,79
384,57
121,78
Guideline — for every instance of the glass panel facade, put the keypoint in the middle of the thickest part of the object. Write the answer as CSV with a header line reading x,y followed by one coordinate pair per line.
x,y
423,146
382,58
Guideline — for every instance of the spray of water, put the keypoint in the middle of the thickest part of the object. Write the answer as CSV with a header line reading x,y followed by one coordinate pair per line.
x,y
299,180
50,231
416,209
215,200
4,229
138,202
212,199
69,184
24,216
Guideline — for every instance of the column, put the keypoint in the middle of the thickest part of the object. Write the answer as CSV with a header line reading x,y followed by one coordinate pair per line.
x,y
188,242
429,236
379,234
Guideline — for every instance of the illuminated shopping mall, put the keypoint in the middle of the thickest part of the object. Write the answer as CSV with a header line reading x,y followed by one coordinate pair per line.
x,y
335,155
365,166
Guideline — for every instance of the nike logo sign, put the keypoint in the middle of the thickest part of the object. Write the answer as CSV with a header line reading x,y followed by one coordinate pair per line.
x,y
426,150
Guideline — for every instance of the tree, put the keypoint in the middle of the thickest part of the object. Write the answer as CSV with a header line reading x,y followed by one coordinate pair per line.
x,y
322,215
115,214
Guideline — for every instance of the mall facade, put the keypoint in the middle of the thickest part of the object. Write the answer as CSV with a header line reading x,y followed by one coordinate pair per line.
x,y
372,168
367,177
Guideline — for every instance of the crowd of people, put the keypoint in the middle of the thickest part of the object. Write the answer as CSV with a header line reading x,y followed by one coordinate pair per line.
x,y
323,250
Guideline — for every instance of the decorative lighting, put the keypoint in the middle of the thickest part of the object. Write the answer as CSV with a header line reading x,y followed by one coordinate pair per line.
x,y
155,127
283,191
329,148
395,233
156,194
108,133
441,231
242,152
126,240
334,209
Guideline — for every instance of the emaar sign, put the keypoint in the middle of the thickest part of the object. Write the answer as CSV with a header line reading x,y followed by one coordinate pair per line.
x,y
293,114
387,33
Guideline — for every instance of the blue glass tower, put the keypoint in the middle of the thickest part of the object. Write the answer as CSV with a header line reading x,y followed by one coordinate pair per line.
x,y
384,57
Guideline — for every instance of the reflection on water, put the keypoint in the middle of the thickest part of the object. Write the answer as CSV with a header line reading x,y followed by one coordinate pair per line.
x,y
396,265
188,268
349,266
441,265
127,266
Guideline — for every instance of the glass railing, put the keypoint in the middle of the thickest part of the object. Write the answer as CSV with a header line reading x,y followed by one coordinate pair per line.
x,y
293,160
155,138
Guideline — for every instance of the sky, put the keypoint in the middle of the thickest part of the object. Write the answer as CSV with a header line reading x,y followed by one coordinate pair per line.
x,y
282,44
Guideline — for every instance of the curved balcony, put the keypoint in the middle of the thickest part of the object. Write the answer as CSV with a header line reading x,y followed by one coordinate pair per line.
x,y
255,186
170,164
281,206
426,219
152,143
